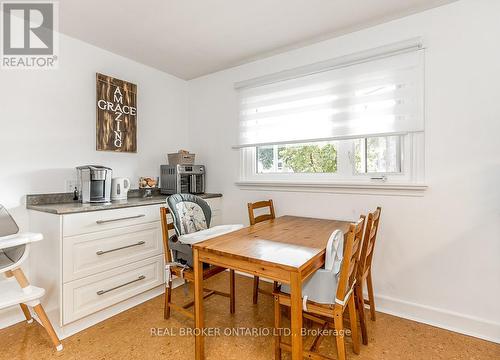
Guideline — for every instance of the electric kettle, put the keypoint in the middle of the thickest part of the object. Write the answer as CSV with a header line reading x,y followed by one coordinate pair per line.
x,y
119,188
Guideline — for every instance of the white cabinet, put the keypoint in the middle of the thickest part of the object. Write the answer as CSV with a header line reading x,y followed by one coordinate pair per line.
x,y
92,253
93,293
90,262
215,206
87,222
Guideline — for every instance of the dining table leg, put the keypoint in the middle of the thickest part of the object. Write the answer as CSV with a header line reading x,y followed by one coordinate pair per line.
x,y
198,306
296,315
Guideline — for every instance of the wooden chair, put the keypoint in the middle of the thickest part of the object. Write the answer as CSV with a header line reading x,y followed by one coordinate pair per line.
x,y
188,275
365,270
330,315
254,220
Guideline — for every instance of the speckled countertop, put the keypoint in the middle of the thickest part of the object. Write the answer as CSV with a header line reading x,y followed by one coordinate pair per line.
x,y
62,203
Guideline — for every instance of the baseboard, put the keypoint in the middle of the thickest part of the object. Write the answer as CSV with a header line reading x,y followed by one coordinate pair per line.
x,y
441,318
444,319
14,315
93,319
11,316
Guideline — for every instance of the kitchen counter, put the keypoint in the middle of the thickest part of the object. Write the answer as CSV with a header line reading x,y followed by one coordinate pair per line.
x,y
75,235
62,203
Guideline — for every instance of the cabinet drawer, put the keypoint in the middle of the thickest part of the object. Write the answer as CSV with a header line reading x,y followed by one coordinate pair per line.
x,y
88,295
216,218
214,203
82,223
93,253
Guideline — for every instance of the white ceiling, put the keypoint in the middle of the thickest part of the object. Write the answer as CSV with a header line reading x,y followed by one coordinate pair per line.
x,y
191,38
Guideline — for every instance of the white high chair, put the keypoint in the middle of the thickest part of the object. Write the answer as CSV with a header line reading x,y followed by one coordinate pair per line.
x,y
321,287
328,294
16,289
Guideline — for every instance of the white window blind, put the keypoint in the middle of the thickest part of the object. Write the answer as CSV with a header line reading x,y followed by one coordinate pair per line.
x,y
381,95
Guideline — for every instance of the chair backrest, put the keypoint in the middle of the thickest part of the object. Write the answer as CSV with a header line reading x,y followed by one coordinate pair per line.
x,y
369,241
190,213
259,205
349,268
11,255
8,225
166,226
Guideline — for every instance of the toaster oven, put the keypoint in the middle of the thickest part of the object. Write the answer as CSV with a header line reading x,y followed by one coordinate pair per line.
x,y
185,179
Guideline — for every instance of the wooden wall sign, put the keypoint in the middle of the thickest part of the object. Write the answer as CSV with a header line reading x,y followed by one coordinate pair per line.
x,y
116,128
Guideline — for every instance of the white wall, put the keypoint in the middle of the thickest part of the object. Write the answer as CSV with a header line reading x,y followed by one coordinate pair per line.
x,y
47,124
438,256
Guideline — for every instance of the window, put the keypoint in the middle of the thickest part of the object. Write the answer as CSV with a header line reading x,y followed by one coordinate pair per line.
x,y
318,157
373,155
354,121
378,155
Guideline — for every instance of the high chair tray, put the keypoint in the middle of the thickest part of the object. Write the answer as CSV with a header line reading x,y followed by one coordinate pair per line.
x,y
19,239
210,233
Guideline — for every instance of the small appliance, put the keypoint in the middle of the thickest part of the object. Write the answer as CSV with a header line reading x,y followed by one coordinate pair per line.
x,y
94,183
119,188
185,179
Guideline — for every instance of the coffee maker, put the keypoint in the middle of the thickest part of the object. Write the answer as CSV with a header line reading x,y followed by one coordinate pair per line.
x,y
94,183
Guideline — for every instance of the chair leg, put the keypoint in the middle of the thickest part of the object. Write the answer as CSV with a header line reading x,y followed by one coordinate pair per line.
x,y
27,313
231,292
277,328
354,325
24,283
360,304
255,289
168,299
20,278
48,326
369,284
338,320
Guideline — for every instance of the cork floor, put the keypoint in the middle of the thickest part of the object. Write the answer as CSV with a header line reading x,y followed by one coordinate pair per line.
x,y
129,335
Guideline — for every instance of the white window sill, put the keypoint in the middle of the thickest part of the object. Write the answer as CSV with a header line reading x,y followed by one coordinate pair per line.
x,y
335,187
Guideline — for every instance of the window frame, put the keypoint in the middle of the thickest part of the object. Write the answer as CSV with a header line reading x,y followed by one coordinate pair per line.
x,y
412,168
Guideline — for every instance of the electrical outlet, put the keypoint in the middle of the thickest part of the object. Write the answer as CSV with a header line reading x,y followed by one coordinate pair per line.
x,y
70,185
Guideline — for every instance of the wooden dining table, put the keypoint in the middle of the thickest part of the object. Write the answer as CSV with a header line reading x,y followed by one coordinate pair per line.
x,y
287,249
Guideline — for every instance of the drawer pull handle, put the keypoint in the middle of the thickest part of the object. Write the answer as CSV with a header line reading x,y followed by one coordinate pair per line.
x,y
119,219
101,292
102,252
